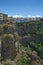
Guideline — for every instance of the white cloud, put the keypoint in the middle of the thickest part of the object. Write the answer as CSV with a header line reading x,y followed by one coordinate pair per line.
x,y
19,16
16,16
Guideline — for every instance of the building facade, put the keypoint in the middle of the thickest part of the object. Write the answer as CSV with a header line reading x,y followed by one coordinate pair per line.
x,y
3,18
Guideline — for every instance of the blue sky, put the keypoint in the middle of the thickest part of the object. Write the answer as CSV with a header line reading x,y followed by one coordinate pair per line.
x,y
22,7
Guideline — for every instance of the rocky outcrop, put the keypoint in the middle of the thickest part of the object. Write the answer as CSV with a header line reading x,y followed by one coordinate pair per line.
x,y
8,47
0,46
25,40
9,29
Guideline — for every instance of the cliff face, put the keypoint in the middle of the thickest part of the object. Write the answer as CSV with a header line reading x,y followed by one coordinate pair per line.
x,y
8,47
0,45
33,29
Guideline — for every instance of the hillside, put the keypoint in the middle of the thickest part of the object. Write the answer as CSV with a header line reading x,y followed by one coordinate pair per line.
x,y
29,39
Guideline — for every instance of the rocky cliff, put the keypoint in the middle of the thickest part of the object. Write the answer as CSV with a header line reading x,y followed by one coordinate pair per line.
x,y
26,36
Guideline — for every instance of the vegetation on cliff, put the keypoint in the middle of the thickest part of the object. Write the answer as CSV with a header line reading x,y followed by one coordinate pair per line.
x,y
30,53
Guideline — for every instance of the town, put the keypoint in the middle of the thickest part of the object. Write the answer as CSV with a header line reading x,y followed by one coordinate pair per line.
x,y
4,18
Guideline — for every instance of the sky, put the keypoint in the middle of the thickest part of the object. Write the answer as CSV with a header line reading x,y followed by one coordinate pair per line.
x,y
22,7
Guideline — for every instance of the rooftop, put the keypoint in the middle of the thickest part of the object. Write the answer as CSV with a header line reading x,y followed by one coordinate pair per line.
x,y
3,14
